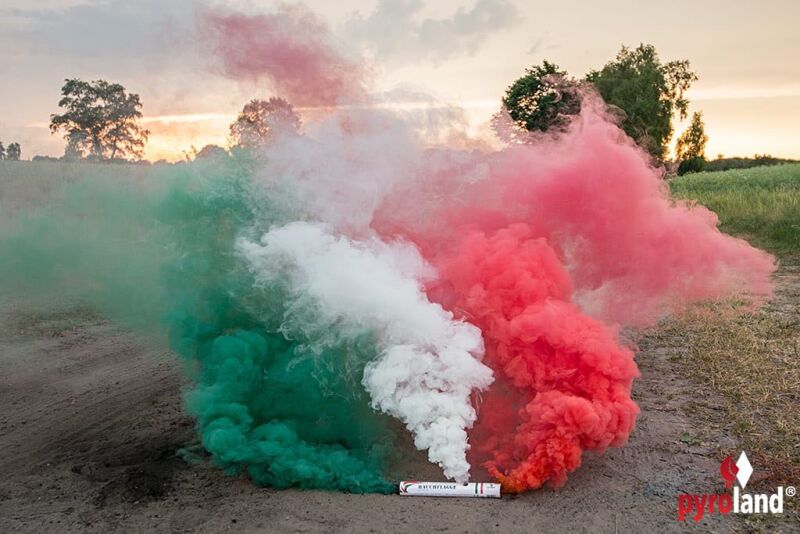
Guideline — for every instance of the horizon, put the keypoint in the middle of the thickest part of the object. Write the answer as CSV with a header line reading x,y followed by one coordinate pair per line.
x,y
748,91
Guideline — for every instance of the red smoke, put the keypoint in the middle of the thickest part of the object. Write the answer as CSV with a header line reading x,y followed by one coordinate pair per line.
x,y
631,252
293,48
563,381
578,220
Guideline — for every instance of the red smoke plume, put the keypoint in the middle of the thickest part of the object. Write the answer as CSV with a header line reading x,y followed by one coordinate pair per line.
x,y
293,48
631,252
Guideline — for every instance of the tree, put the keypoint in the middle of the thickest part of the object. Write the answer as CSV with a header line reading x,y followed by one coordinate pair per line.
x,y
13,152
2,151
543,99
101,121
690,149
260,121
649,93
211,152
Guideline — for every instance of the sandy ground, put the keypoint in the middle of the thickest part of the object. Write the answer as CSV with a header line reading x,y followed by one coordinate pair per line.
x,y
91,420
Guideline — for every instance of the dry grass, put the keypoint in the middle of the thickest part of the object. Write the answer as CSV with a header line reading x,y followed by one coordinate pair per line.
x,y
753,361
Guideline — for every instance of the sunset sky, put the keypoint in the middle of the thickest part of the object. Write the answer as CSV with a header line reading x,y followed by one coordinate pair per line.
x,y
463,52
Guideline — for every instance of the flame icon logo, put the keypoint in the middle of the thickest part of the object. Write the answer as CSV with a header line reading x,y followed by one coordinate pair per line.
x,y
728,471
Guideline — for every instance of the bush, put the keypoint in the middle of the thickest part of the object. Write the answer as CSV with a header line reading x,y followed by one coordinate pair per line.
x,y
697,164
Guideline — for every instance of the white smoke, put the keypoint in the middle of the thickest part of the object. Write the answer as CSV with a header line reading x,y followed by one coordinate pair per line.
x,y
429,362
344,166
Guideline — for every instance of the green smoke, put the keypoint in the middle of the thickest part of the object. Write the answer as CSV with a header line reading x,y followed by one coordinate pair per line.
x,y
155,249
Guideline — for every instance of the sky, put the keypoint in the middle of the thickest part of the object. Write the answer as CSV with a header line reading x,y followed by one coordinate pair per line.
x,y
462,52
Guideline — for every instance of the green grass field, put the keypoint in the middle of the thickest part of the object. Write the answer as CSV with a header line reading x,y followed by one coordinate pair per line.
x,y
761,204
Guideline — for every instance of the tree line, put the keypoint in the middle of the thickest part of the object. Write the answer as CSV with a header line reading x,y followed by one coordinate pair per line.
x,y
101,120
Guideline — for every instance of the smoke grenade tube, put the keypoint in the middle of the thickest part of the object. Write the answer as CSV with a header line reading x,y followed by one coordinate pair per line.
x,y
413,488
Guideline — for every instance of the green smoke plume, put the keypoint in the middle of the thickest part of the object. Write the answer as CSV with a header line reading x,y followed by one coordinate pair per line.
x,y
155,249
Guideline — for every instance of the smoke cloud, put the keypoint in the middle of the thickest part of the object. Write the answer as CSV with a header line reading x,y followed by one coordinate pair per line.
x,y
292,48
368,268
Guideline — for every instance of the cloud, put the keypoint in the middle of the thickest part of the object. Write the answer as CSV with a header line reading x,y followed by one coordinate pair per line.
x,y
119,30
396,32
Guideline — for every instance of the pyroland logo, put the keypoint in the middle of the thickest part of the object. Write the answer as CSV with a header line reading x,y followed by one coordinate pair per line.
x,y
738,502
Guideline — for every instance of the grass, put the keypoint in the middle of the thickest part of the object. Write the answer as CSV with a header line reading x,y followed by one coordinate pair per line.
x,y
26,184
761,204
752,359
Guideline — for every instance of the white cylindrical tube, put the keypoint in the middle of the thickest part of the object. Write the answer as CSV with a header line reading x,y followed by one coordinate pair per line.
x,y
414,488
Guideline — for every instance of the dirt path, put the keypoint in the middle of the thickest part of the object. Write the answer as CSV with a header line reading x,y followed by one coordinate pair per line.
x,y
91,419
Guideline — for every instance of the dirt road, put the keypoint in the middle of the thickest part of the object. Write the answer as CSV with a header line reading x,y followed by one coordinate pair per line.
x,y
91,421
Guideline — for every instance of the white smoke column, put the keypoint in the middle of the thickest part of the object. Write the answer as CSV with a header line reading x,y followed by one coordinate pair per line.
x,y
429,363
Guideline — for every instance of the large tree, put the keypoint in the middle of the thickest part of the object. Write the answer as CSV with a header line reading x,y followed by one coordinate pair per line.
x,y
2,151
541,100
13,152
260,121
100,121
648,92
